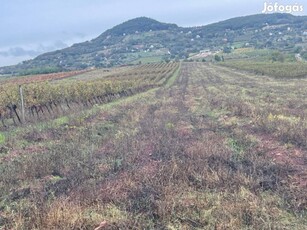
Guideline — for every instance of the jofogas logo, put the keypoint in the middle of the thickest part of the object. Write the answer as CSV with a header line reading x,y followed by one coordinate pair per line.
x,y
276,7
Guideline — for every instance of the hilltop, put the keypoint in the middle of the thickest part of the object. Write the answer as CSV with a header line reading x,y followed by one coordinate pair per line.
x,y
147,40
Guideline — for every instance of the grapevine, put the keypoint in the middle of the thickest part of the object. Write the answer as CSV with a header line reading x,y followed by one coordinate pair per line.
x,y
50,97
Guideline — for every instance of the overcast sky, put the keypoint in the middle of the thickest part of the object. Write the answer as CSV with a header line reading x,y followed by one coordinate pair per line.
x,y
31,27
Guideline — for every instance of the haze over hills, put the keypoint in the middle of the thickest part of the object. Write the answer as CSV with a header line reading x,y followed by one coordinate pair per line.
x,y
146,40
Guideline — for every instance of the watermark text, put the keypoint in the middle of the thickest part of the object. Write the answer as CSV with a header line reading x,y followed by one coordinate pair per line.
x,y
281,8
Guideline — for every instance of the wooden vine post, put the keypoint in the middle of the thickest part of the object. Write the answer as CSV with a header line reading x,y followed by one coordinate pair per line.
x,y
23,117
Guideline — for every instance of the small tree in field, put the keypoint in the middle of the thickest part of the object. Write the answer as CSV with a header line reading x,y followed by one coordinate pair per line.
x,y
278,56
217,58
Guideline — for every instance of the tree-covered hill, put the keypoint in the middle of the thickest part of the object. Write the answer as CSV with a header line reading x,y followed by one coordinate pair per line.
x,y
144,39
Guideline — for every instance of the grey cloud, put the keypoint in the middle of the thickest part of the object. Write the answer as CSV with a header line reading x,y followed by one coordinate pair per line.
x,y
18,52
60,45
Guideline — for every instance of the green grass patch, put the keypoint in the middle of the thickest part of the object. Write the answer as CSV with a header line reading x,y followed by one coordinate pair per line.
x,y
274,69
236,147
2,138
61,121
150,59
172,79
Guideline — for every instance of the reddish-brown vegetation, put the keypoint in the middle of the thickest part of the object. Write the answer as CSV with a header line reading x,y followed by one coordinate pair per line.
x,y
42,77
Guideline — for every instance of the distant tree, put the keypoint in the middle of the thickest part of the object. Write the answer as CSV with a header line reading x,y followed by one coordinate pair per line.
x,y
277,57
227,49
298,49
304,54
268,44
166,59
217,58
82,66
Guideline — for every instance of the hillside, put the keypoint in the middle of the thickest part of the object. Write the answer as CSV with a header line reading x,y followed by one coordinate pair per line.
x,y
146,40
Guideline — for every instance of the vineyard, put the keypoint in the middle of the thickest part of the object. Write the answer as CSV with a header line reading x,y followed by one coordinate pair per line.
x,y
45,98
211,148
278,70
42,77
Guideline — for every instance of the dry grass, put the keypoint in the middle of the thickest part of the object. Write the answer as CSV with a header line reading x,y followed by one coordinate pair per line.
x,y
186,156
